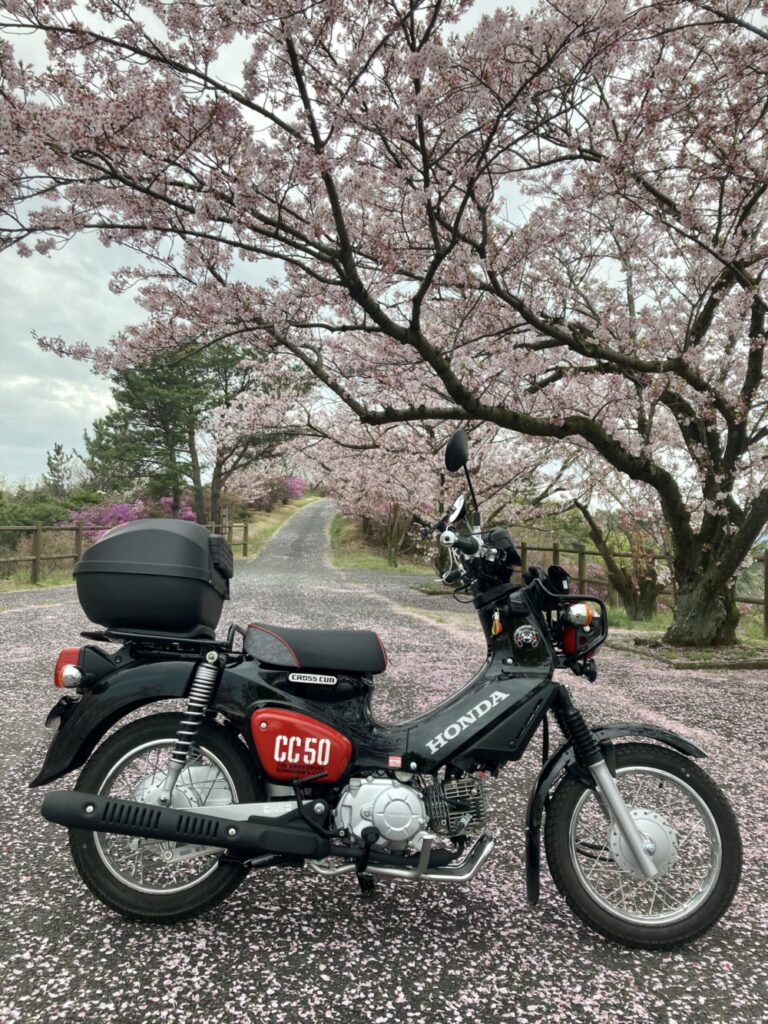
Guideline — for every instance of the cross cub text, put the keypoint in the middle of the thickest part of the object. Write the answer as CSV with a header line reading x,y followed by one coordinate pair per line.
x,y
277,759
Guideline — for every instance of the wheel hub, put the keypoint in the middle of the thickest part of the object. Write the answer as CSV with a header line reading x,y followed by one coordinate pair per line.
x,y
659,843
149,791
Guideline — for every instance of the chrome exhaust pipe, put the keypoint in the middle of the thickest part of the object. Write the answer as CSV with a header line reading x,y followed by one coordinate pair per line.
x,y
464,871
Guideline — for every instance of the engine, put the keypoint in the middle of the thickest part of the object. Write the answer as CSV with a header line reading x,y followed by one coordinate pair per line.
x,y
400,810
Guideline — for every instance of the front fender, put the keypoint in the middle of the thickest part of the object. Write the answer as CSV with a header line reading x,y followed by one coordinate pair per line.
x,y
562,759
82,723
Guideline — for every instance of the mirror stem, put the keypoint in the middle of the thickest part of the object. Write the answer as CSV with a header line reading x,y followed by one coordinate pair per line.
x,y
474,497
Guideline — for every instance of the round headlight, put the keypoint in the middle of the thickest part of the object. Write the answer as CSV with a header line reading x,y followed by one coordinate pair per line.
x,y
580,614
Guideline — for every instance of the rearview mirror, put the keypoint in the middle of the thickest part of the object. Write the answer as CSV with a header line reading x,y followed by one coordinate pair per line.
x,y
457,451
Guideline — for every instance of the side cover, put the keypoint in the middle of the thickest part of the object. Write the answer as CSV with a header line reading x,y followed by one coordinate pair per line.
x,y
294,746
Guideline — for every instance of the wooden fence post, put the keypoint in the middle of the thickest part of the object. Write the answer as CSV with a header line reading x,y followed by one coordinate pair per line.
x,y
37,550
555,552
78,541
523,556
230,532
582,569
245,539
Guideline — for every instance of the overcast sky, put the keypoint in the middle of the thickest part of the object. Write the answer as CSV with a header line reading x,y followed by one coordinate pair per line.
x,y
45,399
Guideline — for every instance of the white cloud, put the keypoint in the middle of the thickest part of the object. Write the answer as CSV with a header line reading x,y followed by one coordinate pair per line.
x,y
44,399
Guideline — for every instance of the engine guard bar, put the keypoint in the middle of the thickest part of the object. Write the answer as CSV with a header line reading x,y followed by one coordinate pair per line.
x,y
563,600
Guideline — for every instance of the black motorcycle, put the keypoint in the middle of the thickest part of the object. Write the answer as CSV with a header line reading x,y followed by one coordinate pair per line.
x,y
277,759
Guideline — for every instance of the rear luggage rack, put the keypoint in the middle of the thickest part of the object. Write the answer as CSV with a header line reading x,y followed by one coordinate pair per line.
x,y
197,645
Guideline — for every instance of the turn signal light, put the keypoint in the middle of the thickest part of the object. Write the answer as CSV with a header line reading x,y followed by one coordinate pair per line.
x,y
67,674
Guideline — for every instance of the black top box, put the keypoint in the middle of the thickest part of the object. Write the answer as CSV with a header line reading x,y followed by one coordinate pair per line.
x,y
160,576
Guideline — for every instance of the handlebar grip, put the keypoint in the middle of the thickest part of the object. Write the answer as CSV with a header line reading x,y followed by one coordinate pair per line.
x,y
469,545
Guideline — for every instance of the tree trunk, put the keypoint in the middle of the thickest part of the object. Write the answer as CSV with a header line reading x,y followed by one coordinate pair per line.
x,y
216,489
197,483
647,603
705,614
639,600
395,532
637,595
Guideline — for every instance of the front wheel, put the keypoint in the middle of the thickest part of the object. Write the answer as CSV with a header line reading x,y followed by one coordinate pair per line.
x,y
689,829
149,879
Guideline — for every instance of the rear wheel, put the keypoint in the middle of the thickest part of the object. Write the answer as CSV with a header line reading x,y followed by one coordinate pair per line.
x,y
149,879
689,829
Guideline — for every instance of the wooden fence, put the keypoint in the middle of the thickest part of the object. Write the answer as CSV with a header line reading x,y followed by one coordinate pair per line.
x,y
555,551
36,558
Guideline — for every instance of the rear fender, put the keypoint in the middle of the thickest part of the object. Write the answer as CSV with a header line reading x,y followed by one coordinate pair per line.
x,y
564,758
80,724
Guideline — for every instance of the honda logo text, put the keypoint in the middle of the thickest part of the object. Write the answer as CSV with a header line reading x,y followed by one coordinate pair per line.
x,y
456,728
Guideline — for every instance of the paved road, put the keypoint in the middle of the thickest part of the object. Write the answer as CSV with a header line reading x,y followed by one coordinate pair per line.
x,y
293,947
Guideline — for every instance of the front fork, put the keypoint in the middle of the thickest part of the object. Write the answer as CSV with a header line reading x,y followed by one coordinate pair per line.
x,y
201,692
590,758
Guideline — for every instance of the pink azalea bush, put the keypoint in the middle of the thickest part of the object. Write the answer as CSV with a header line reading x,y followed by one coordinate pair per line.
x,y
294,487
96,519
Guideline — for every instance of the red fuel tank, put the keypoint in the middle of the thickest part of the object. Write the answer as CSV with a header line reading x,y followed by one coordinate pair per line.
x,y
294,746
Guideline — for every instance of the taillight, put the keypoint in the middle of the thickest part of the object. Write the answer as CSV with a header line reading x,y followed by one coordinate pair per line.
x,y
67,674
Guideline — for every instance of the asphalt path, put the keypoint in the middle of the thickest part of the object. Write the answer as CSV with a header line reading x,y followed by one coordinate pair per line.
x,y
289,946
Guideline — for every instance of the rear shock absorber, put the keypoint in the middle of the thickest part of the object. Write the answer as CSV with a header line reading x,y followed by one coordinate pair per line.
x,y
204,683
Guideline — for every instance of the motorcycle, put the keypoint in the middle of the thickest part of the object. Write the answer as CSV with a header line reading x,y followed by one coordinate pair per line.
x,y
278,761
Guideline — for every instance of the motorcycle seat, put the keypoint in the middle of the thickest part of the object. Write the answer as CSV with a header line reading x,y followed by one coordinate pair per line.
x,y
359,651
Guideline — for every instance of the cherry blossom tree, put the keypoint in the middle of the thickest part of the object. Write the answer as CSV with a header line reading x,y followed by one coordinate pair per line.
x,y
554,224
393,479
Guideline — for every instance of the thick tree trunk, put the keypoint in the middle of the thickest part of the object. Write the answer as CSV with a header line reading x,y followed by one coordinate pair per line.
x,y
705,614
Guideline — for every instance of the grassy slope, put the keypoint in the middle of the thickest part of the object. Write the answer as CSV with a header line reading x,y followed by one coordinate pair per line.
x,y
350,550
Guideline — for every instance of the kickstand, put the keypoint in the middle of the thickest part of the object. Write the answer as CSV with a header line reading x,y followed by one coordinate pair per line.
x,y
367,885
367,882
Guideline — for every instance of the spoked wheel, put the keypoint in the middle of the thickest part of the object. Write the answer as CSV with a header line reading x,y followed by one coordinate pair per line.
x,y
149,879
688,829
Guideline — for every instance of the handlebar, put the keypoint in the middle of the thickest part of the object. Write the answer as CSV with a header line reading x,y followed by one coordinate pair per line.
x,y
468,545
